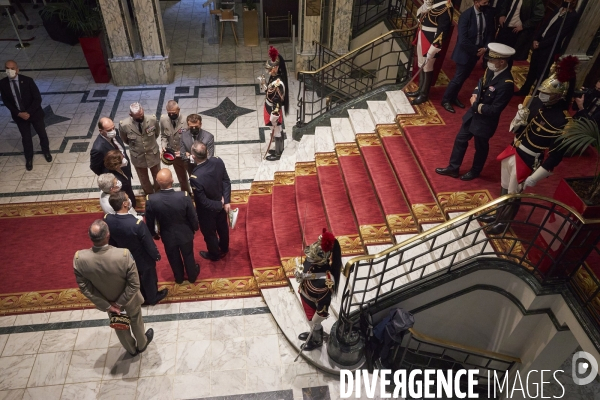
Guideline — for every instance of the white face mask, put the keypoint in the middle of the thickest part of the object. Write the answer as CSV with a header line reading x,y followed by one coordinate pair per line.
x,y
111,134
544,97
119,184
492,67
11,73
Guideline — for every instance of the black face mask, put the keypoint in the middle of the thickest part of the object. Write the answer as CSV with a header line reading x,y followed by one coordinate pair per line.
x,y
484,8
195,130
140,120
173,116
565,4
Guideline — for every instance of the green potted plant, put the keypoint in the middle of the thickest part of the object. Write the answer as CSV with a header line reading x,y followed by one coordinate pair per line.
x,y
83,19
582,193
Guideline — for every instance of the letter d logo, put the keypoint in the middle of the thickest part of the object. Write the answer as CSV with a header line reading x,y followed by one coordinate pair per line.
x,y
584,363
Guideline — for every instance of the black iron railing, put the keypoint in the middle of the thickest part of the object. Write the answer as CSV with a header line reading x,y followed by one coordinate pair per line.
x,y
367,13
419,351
586,283
547,238
383,61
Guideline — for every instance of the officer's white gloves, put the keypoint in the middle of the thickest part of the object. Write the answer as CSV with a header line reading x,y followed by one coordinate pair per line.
x,y
537,176
433,51
520,119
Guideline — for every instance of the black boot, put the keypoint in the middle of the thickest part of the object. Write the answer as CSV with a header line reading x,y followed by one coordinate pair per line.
x,y
424,95
504,216
491,218
303,336
418,91
316,340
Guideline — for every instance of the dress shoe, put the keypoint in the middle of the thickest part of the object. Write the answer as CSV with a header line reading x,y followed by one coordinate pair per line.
x,y
448,107
453,173
273,157
178,282
420,99
197,274
29,165
413,94
487,219
206,255
272,152
458,104
496,229
161,295
149,336
48,157
469,176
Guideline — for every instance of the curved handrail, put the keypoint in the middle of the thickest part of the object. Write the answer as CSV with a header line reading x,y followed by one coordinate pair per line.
x,y
347,55
457,346
465,216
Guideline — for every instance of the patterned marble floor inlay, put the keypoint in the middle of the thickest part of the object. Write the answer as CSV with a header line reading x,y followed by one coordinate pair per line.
x,y
227,112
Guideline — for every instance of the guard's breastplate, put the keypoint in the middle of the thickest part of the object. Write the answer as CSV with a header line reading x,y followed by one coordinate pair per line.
x,y
275,93
543,129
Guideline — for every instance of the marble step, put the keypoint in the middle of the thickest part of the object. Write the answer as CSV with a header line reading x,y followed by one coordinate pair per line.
x,y
399,103
342,130
381,112
324,142
361,121
266,169
306,149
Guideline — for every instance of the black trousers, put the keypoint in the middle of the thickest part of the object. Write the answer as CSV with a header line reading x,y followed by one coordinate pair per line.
x,y
463,71
149,284
507,36
461,143
25,129
180,255
211,225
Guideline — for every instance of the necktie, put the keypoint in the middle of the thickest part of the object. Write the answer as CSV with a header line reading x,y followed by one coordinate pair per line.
x,y
140,126
480,29
511,13
18,93
114,144
174,123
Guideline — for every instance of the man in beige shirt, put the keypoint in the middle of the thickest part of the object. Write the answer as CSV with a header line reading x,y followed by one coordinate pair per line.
x,y
140,132
172,125
108,277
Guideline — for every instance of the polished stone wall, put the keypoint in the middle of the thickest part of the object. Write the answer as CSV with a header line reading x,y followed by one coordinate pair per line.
x,y
342,27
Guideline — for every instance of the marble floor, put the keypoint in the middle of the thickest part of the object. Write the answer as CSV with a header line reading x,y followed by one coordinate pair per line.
x,y
200,349
207,77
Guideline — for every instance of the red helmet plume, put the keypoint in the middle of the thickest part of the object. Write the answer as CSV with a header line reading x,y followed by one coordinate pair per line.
x,y
273,53
327,240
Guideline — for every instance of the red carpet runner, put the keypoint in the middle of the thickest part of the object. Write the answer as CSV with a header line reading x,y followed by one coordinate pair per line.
x,y
39,241
309,203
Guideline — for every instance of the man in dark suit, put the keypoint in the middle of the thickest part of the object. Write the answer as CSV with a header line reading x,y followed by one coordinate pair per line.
x,y
544,41
491,97
195,133
22,97
128,232
107,140
475,30
518,20
177,222
212,193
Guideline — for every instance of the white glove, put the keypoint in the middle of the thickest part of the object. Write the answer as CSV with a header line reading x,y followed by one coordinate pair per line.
x,y
520,118
433,51
299,273
263,82
274,119
534,178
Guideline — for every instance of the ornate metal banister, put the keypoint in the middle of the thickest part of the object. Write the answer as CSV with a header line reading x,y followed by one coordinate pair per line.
x,y
548,238
332,79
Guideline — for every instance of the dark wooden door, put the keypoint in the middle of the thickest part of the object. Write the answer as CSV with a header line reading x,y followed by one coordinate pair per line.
x,y
280,8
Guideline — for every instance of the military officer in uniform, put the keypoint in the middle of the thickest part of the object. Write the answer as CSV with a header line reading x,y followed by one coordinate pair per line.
x,y
537,129
108,277
490,98
435,19
276,101
128,232
140,132
195,133
172,126
212,194
177,221
318,277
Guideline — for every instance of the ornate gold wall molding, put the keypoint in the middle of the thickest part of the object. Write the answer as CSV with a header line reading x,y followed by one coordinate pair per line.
x,y
260,188
284,178
71,299
463,201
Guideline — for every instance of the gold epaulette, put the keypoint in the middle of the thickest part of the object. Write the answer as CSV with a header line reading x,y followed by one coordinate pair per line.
x,y
185,193
125,252
439,38
138,221
105,215
147,197
77,254
567,115
193,176
509,81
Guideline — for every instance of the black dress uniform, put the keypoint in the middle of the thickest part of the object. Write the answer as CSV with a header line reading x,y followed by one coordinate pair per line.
x,y
481,120
128,232
210,183
177,221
